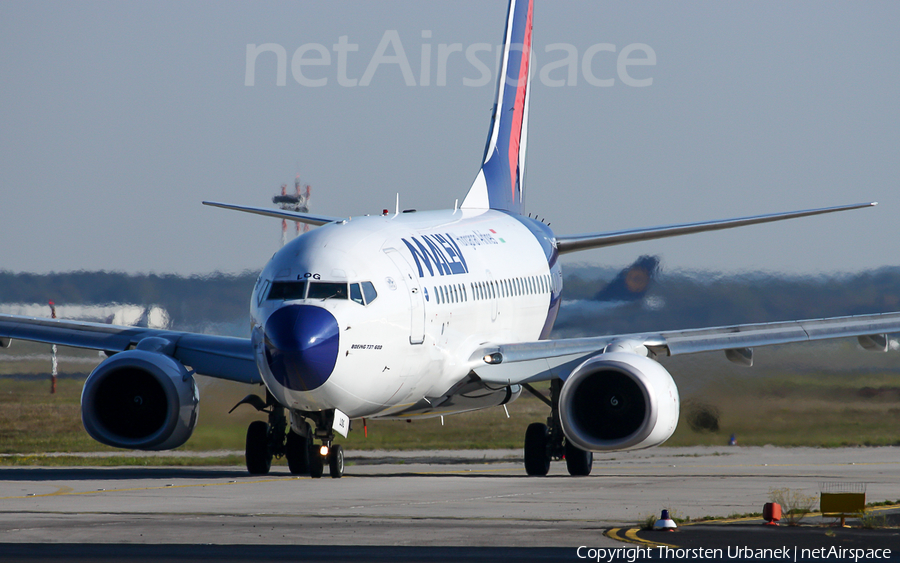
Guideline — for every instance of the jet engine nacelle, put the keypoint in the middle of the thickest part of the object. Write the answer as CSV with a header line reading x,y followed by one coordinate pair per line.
x,y
618,401
140,400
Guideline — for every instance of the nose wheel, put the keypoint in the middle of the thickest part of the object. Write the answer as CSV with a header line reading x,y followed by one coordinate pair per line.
x,y
333,459
273,439
336,462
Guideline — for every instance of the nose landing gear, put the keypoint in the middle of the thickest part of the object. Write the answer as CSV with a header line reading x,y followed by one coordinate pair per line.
x,y
273,439
333,458
328,454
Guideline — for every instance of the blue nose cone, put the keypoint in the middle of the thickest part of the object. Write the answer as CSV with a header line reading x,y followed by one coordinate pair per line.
x,y
301,346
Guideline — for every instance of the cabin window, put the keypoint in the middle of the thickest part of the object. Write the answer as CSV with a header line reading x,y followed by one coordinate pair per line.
x,y
287,291
327,290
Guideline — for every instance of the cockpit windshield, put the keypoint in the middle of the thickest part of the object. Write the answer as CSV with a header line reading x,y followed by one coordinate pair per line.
x,y
327,290
285,291
362,293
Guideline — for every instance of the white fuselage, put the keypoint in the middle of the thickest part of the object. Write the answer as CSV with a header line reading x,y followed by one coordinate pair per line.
x,y
445,283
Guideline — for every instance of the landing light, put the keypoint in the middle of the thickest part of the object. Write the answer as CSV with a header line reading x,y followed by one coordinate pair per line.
x,y
323,451
494,358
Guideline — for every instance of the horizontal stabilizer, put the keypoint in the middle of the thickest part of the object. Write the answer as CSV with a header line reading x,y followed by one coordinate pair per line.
x,y
598,240
308,218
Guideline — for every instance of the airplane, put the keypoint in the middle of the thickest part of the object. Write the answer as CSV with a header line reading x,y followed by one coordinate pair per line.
x,y
631,284
421,314
627,289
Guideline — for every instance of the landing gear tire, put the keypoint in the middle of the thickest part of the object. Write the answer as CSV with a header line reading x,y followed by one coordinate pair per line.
x,y
316,463
336,462
297,452
257,454
578,461
537,456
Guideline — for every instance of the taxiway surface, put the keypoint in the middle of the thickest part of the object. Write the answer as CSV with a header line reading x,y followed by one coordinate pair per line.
x,y
462,499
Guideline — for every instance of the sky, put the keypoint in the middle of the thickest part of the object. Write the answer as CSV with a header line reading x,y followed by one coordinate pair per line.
x,y
119,118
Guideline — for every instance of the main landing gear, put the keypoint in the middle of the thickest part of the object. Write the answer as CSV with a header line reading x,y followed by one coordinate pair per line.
x,y
273,439
546,442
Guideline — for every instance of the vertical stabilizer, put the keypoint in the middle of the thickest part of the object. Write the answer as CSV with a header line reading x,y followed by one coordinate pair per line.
x,y
500,183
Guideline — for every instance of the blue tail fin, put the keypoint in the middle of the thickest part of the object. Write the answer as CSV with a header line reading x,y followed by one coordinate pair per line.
x,y
500,183
631,284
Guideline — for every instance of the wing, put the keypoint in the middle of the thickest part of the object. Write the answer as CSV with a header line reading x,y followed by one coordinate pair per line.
x,y
279,213
526,362
574,243
222,357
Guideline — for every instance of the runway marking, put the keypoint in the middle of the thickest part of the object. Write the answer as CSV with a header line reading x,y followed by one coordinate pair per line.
x,y
61,491
68,491
632,537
